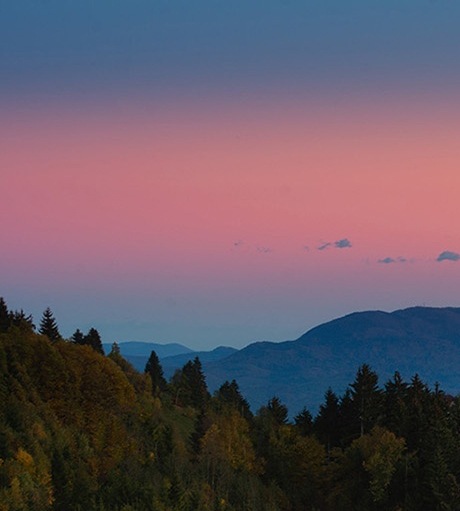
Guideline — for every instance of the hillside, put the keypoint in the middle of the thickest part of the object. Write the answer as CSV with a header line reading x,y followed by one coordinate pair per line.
x,y
419,340
80,430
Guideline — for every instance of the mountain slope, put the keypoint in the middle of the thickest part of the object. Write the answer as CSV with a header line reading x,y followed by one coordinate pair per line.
x,y
417,340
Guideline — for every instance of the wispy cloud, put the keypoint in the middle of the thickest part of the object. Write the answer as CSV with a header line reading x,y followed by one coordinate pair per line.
x,y
447,255
344,243
264,250
390,260
324,246
387,260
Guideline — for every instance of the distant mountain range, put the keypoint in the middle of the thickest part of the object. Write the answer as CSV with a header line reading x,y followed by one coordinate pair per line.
x,y
172,356
420,340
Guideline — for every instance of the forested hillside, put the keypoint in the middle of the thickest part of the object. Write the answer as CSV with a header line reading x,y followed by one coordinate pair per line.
x,y
84,431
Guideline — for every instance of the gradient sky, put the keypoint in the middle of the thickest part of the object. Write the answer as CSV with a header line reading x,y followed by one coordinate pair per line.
x,y
215,173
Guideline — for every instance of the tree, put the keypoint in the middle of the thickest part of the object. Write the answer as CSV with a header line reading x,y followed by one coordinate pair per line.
x,y
229,396
366,398
304,422
78,337
4,316
155,371
277,411
49,327
19,319
93,339
326,424
196,382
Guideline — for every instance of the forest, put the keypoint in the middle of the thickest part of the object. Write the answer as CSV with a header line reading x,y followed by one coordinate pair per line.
x,y
81,430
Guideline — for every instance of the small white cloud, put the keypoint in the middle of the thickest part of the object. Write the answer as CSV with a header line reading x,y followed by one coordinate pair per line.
x,y
447,255
344,243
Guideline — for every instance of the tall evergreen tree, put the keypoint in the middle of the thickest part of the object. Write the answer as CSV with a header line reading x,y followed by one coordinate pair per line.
x,y
190,385
304,422
277,411
93,339
4,316
326,425
78,337
49,327
366,398
154,369
229,395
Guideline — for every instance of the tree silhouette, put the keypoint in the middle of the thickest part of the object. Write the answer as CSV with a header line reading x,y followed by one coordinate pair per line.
x,y
154,369
78,337
93,339
48,326
4,316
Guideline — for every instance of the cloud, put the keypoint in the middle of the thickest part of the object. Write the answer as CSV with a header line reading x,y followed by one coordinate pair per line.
x,y
390,260
387,260
344,243
264,250
306,248
324,246
238,244
447,255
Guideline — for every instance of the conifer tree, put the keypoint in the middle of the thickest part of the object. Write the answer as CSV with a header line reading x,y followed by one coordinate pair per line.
x,y
304,422
154,369
49,327
78,337
93,339
366,398
229,395
4,316
19,319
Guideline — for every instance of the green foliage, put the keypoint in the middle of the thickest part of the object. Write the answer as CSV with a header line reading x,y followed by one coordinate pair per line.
x,y
79,431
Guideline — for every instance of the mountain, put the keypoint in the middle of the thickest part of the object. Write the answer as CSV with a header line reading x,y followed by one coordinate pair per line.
x,y
135,348
419,340
137,353
170,364
172,356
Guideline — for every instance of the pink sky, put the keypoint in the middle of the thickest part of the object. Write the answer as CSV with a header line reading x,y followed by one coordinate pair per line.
x,y
188,213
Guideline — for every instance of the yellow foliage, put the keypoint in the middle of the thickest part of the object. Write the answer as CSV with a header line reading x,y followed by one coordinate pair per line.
x,y
24,458
227,440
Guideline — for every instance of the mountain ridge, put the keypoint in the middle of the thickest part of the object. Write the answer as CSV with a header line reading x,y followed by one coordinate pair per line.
x,y
422,340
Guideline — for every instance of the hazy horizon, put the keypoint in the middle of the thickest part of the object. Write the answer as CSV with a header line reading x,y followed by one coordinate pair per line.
x,y
221,173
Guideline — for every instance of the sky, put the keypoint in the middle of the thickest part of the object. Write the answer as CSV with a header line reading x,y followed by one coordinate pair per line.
x,y
218,173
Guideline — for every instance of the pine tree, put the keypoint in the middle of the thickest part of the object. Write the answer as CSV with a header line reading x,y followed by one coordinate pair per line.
x,y
229,395
190,384
19,319
326,425
48,326
93,339
366,398
4,316
154,369
277,411
78,337
304,422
